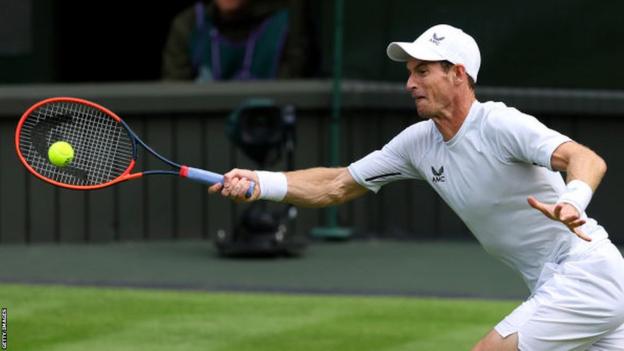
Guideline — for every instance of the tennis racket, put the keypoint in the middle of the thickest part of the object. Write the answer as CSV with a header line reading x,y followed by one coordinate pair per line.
x,y
105,148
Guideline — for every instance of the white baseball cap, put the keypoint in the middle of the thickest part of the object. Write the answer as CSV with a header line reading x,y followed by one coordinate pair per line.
x,y
440,43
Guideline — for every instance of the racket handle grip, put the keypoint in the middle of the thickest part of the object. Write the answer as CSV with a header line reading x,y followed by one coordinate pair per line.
x,y
203,176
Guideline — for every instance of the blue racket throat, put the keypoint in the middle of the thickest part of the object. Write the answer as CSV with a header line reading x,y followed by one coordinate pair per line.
x,y
207,177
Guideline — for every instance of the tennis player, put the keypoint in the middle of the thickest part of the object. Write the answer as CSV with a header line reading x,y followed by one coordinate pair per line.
x,y
496,167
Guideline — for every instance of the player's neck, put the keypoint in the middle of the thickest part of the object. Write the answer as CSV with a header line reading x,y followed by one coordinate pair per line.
x,y
450,120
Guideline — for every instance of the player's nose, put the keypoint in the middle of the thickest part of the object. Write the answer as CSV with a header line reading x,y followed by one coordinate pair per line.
x,y
410,84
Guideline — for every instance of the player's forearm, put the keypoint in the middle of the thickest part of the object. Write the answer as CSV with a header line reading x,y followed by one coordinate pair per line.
x,y
580,163
584,169
320,187
586,166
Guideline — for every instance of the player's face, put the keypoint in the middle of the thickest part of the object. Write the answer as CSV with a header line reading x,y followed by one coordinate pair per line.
x,y
430,87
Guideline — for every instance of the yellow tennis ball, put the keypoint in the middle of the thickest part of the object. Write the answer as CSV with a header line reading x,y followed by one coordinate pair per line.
x,y
61,154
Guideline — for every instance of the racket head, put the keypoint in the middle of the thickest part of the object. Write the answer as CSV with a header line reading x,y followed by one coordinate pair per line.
x,y
104,146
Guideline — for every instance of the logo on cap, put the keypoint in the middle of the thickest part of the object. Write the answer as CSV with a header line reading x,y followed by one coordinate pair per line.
x,y
435,39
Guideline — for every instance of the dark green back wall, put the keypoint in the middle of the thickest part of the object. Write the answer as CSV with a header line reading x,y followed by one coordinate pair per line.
x,y
38,62
553,43
550,43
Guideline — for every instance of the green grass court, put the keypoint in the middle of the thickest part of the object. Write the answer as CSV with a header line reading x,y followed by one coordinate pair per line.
x,y
179,295
46,318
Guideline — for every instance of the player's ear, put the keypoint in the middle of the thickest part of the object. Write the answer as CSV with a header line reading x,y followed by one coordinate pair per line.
x,y
459,74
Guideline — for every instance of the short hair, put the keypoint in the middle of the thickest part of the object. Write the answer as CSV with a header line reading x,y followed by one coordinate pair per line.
x,y
446,66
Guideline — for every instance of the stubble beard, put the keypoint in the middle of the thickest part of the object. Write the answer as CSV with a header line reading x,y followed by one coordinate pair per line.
x,y
423,114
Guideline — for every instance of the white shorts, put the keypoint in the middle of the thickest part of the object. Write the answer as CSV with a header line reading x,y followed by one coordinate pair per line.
x,y
579,305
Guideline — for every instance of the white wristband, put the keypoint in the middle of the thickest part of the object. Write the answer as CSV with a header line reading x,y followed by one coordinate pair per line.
x,y
273,185
577,194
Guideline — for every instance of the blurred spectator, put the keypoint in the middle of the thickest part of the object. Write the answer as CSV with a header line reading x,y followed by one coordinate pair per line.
x,y
239,40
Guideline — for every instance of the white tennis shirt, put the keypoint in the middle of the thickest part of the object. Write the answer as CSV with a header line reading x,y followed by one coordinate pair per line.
x,y
485,173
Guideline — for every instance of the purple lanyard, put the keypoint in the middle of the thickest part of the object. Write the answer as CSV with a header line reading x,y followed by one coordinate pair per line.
x,y
216,39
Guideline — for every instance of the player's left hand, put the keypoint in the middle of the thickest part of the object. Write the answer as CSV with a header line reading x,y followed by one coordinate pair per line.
x,y
561,212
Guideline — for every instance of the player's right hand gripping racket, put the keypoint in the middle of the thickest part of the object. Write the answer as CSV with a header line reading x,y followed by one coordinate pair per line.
x,y
105,148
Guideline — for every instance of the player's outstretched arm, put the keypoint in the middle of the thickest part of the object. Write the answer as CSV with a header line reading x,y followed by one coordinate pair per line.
x,y
314,187
321,187
585,170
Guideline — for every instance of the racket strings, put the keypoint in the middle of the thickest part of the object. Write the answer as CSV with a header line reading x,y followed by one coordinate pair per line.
x,y
103,150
